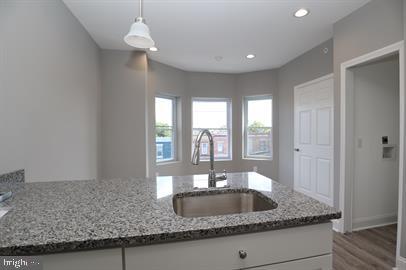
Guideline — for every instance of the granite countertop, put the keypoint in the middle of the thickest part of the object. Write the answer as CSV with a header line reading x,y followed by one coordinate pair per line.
x,y
65,216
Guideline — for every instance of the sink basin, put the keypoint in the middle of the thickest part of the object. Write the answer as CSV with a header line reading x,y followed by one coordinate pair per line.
x,y
220,202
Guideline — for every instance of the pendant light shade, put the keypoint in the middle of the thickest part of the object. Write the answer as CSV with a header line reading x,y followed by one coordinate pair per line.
x,y
139,35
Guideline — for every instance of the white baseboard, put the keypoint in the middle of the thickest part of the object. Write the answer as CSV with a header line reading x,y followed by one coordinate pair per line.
x,y
375,221
374,226
401,264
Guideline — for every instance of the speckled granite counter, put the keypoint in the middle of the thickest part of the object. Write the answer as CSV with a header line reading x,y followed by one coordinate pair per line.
x,y
64,216
13,177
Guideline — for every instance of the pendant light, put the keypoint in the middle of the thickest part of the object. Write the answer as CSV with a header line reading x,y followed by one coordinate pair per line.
x,y
139,35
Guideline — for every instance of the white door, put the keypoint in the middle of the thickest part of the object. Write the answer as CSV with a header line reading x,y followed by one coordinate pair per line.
x,y
313,139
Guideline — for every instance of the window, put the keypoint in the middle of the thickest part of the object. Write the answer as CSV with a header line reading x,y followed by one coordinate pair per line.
x,y
215,115
220,147
258,127
165,128
159,151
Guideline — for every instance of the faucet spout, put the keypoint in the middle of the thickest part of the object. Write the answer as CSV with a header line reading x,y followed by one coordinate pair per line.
x,y
196,157
196,151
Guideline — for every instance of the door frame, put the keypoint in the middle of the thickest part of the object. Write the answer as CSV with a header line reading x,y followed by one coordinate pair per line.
x,y
347,135
320,79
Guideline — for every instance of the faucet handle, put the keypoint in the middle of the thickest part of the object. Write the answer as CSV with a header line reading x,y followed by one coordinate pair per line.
x,y
222,177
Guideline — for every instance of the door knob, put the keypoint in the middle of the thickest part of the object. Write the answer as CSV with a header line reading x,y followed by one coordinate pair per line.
x,y
297,149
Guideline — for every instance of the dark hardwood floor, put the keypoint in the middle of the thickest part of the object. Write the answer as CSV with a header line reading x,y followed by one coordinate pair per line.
x,y
368,249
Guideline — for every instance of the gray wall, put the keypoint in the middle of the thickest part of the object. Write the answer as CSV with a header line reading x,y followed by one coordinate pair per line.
x,y
374,26
309,66
403,244
257,83
49,92
123,125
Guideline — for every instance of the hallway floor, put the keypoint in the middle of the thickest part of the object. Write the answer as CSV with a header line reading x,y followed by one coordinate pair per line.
x,y
368,249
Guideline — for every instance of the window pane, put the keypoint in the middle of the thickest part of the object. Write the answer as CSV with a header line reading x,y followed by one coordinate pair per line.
x,y
212,115
258,133
163,111
260,111
164,129
221,140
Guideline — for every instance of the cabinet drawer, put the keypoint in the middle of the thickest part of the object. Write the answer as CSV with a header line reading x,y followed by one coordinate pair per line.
x,y
223,253
107,259
316,263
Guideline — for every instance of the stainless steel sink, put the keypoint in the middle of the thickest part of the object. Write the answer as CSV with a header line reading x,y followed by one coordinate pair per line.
x,y
220,202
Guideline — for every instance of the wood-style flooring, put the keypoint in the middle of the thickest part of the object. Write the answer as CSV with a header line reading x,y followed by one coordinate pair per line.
x,y
367,249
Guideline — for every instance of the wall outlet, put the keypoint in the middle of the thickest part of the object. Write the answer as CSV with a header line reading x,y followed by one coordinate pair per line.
x,y
255,168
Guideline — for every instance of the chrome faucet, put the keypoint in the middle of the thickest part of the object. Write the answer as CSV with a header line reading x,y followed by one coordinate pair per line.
x,y
213,178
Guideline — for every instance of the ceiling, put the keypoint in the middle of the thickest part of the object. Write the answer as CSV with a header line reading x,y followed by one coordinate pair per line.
x,y
191,34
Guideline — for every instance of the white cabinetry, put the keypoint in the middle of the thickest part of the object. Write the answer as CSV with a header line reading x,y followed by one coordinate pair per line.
x,y
107,259
315,263
298,248
301,248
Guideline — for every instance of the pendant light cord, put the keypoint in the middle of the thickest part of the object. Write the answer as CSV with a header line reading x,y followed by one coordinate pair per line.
x,y
141,8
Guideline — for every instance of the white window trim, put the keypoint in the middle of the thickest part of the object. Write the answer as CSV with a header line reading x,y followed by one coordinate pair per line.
x,y
174,130
229,124
245,124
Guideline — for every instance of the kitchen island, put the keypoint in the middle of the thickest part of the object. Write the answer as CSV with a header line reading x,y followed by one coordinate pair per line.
x,y
132,222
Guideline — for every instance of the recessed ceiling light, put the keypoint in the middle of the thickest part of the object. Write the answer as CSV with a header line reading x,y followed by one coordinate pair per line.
x,y
301,13
250,56
153,49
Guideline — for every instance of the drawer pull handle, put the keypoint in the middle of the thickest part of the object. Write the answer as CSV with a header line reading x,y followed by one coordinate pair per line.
x,y
242,253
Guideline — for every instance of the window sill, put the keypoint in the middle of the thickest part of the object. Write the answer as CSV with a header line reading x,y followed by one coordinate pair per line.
x,y
218,160
169,162
258,158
